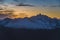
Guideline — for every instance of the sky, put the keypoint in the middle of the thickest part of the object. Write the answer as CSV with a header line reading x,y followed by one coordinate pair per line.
x,y
28,8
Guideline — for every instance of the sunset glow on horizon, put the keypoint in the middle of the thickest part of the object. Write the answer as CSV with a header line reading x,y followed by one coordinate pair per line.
x,y
27,10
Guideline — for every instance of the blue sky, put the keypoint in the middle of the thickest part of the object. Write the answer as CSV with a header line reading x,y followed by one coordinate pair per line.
x,y
37,2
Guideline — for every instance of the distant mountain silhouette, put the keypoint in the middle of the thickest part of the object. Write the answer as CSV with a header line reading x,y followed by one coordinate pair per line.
x,y
36,22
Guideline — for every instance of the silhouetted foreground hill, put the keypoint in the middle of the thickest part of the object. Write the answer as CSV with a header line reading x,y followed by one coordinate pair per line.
x,y
28,34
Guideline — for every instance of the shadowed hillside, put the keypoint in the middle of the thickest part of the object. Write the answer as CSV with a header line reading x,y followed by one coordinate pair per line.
x,y
28,34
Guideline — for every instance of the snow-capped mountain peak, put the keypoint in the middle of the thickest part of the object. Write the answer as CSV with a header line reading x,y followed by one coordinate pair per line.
x,y
35,22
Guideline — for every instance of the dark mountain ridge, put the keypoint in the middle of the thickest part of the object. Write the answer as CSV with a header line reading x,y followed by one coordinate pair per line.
x,y
36,22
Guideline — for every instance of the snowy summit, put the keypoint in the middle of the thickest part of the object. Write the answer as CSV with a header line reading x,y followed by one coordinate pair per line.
x,y
35,22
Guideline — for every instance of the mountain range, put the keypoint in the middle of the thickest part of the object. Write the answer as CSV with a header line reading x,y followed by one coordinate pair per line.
x,y
35,22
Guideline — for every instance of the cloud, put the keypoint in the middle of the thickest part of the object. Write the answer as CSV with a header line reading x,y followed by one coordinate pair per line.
x,y
1,0
22,4
2,16
55,6
20,1
5,15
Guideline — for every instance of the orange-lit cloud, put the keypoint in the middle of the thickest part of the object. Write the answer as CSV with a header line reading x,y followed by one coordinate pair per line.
x,y
24,11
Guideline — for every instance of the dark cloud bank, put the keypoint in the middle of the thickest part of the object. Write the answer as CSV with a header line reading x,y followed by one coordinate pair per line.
x,y
21,4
